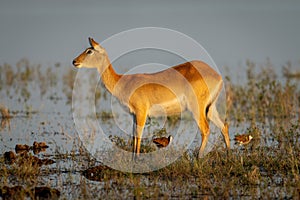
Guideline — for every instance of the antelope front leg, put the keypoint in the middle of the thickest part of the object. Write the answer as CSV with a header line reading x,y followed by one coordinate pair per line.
x,y
140,123
134,145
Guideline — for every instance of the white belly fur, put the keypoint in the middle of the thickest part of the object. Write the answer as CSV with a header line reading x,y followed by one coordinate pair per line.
x,y
169,108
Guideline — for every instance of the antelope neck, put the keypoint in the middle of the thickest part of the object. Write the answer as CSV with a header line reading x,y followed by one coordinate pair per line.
x,y
108,75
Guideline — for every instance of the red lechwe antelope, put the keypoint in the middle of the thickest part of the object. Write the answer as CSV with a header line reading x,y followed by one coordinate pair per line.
x,y
192,86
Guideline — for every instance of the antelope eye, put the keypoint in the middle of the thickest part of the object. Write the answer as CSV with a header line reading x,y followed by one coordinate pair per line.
x,y
89,51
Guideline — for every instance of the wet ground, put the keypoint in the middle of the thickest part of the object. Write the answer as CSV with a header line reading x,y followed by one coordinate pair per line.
x,y
40,110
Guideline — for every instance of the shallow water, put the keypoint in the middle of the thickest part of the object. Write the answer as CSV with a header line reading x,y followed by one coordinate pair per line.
x,y
48,117
65,148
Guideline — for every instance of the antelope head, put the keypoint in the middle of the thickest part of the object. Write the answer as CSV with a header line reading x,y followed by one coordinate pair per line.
x,y
92,57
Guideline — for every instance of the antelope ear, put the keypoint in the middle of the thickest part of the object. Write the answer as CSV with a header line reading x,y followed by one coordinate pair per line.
x,y
94,44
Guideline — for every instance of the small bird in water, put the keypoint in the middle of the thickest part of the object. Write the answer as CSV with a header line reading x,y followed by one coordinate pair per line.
x,y
22,147
39,145
163,141
242,139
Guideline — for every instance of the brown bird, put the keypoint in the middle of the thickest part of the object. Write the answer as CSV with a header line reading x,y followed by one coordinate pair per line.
x,y
22,148
39,145
163,141
242,139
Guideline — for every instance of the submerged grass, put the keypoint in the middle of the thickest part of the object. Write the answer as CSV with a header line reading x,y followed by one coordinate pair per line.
x,y
268,167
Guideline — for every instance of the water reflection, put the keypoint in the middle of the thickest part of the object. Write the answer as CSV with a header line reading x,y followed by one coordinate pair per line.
x,y
5,122
5,117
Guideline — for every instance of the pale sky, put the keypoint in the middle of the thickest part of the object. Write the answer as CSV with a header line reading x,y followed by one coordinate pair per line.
x,y
231,31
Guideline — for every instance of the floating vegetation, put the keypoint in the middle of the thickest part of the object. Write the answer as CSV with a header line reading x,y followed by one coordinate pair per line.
x,y
23,156
19,192
37,147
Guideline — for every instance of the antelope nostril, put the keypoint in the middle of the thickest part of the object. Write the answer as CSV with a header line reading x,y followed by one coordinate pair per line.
x,y
74,62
